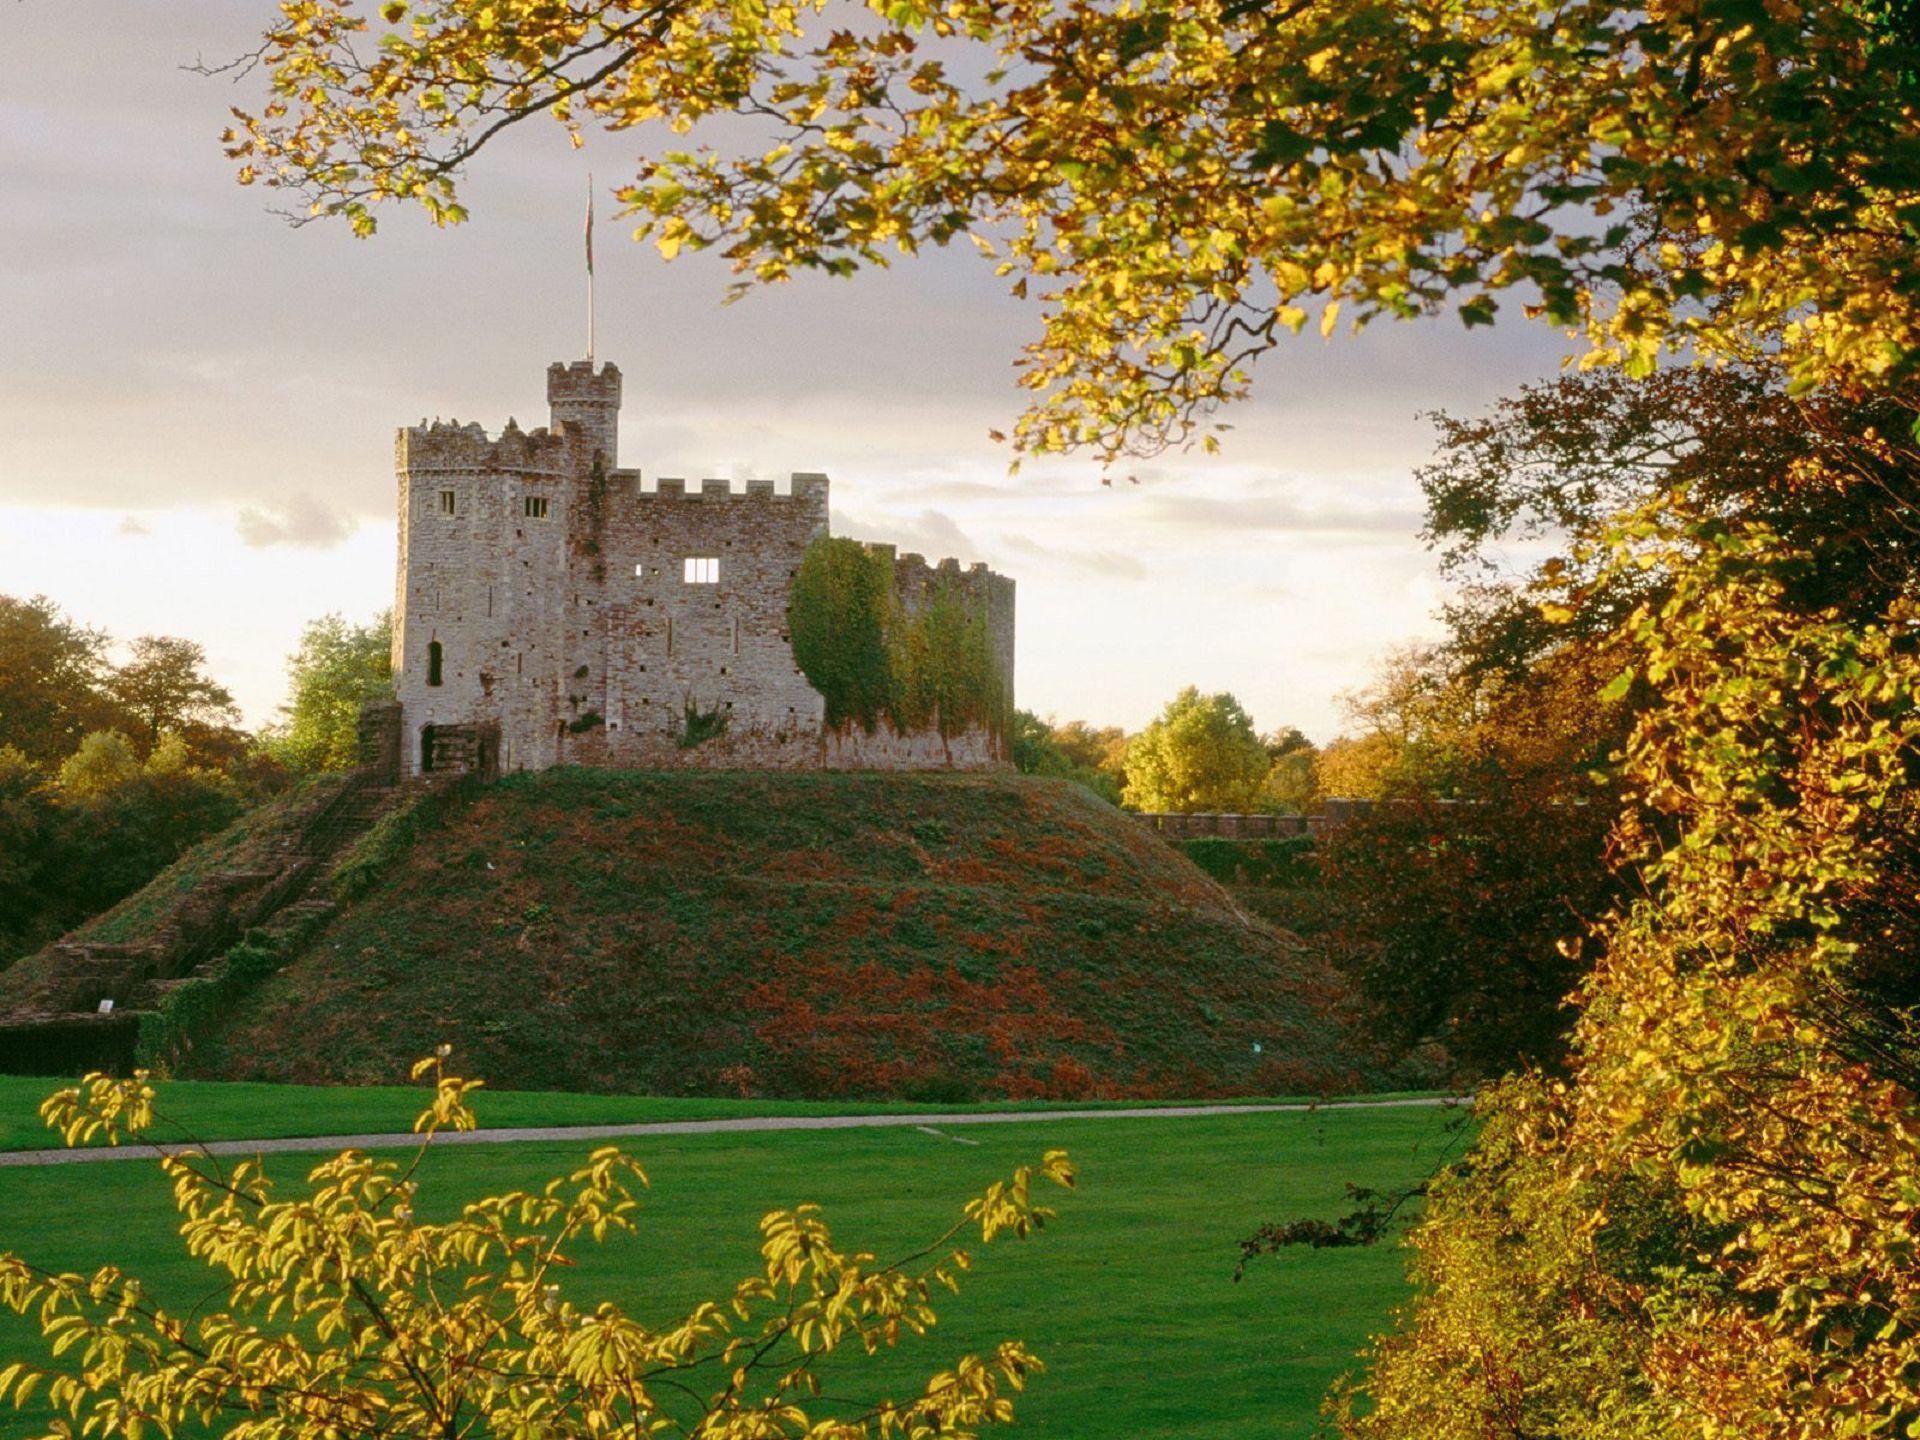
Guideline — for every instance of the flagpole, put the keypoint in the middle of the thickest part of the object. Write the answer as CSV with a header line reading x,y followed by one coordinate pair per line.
x,y
589,269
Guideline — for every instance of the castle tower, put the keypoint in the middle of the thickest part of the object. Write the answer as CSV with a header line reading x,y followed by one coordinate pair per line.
x,y
588,400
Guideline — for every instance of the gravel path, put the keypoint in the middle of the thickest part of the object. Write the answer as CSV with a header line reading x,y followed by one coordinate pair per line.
x,y
748,1125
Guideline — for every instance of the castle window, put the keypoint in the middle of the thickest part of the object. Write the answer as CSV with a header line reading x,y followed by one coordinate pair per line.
x,y
536,507
702,570
433,662
446,502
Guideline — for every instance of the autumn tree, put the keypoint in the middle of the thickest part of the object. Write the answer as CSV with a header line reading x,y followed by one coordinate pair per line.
x,y
51,674
338,667
343,1310
1200,754
1181,186
29,816
164,688
1074,751
1290,787
123,819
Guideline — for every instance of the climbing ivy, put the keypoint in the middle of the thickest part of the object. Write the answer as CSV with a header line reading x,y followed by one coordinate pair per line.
x,y
874,659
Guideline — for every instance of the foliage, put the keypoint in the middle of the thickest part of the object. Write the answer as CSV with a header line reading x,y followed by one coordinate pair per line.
x,y
846,935
1255,863
51,671
1563,459
76,843
838,613
1201,754
1721,179
338,667
29,814
103,763
163,689
1040,747
1745,1056
1532,1291
876,658
1463,923
1291,783
698,726
347,1311
945,673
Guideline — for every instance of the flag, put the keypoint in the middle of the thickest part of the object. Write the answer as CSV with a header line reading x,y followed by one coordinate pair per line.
x,y
589,224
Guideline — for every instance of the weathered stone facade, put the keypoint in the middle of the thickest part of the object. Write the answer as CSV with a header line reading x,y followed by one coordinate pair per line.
x,y
553,608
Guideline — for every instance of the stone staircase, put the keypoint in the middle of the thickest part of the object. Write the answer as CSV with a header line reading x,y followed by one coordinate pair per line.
x,y
65,1023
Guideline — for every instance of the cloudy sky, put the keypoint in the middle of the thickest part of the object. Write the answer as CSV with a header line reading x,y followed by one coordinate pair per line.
x,y
197,402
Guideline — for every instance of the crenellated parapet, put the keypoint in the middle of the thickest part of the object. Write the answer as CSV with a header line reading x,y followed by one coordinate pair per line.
x,y
585,399
449,446
805,489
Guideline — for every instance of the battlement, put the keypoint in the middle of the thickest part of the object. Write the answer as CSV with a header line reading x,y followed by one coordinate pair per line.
x,y
582,382
586,401
913,573
450,445
809,489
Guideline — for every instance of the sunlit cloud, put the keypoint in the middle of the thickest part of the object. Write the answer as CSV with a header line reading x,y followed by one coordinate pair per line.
x,y
302,521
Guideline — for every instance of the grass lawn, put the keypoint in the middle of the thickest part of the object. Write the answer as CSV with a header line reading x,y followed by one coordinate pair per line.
x,y
1129,1299
234,1110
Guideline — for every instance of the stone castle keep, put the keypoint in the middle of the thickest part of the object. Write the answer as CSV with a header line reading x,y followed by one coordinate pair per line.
x,y
553,609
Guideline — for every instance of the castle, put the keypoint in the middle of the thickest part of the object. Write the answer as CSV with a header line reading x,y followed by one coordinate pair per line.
x,y
552,609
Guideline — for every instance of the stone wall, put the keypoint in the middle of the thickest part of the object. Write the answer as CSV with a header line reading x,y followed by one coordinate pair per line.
x,y
1177,826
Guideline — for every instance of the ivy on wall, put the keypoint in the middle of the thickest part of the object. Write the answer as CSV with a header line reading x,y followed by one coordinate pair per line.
x,y
873,659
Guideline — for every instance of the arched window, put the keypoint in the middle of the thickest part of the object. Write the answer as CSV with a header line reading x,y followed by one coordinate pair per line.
x,y
433,662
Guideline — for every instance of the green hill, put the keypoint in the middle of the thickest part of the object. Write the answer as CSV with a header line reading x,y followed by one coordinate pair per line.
x,y
923,937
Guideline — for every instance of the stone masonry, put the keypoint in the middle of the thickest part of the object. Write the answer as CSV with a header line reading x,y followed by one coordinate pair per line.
x,y
552,608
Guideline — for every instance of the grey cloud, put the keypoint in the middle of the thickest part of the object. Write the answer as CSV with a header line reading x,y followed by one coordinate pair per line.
x,y
302,521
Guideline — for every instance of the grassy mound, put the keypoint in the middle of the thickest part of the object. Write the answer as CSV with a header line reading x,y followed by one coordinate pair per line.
x,y
917,937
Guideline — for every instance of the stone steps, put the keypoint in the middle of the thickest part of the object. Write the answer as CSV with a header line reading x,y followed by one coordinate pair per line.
x,y
184,946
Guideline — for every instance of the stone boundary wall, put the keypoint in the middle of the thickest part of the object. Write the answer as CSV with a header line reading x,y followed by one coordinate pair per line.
x,y
1175,826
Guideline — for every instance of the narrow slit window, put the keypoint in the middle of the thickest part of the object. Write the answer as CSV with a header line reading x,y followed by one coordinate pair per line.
x,y
702,570
447,502
535,507
434,654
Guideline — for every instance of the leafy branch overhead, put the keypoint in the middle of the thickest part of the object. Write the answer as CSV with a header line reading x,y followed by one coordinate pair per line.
x,y
345,1311
1181,184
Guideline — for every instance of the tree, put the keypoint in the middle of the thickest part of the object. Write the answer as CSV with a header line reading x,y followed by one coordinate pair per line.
x,y
1185,184
164,688
1066,752
338,668
345,1311
29,817
1289,788
1098,748
50,679
121,821
1463,925
1202,753
1745,1064
103,763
